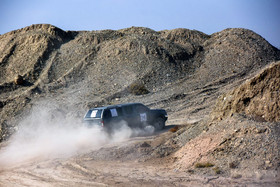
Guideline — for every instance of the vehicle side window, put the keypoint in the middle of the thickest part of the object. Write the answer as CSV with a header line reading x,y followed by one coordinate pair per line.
x,y
114,112
88,114
107,114
119,110
128,110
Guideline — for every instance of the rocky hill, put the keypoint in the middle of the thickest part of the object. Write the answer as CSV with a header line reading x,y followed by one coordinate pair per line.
x,y
220,91
258,97
95,67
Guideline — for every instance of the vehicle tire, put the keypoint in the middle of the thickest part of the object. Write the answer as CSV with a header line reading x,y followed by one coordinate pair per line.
x,y
159,124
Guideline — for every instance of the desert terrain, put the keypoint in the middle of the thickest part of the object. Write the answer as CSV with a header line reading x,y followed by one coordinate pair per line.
x,y
221,93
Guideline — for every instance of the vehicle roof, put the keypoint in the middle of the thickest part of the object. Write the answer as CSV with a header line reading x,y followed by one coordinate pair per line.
x,y
114,106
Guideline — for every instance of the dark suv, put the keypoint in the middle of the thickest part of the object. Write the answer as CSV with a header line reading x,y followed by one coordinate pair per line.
x,y
135,115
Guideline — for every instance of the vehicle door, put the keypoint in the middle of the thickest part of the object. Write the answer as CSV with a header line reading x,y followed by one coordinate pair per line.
x,y
112,117
130,116
142,113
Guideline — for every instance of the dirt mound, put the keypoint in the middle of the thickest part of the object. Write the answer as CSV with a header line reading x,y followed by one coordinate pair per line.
x,y
234,51
24,52
88,68
258,97
63,73
236,146
242,137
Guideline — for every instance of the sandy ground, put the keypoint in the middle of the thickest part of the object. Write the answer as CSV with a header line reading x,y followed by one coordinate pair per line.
x,y
87,170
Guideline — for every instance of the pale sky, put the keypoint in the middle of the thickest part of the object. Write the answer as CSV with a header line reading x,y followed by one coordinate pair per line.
x,y
208,16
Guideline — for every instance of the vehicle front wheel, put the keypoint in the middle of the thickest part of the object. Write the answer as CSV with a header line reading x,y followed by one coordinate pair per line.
x,y
159,124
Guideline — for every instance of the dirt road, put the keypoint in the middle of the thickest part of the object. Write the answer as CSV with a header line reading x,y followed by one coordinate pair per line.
x,y
116,170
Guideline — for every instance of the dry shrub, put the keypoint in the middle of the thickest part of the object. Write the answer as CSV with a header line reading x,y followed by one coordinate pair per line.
x,y
138,89
233,165
204,165
174,129
19,80
217,170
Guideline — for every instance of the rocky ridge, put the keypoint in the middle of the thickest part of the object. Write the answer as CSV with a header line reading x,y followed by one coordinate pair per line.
x,y
51,60
221,91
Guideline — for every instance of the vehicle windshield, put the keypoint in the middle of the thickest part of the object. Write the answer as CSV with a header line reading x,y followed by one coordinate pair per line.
x,y
93,113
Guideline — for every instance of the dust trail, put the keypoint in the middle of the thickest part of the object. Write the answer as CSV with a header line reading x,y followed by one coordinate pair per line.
x,y
47,133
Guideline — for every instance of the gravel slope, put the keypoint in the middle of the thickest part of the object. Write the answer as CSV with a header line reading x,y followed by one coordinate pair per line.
x,y
50,77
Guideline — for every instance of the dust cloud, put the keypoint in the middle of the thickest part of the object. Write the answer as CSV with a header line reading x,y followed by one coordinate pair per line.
x,y
48,133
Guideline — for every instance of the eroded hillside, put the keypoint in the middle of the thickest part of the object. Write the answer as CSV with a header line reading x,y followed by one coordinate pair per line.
x,y
95,67
220,92
258,97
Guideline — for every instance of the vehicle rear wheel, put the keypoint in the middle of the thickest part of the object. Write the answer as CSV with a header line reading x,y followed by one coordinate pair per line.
x,y
159,124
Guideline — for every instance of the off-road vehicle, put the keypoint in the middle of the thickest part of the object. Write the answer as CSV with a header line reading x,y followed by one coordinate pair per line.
x,y
135,115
